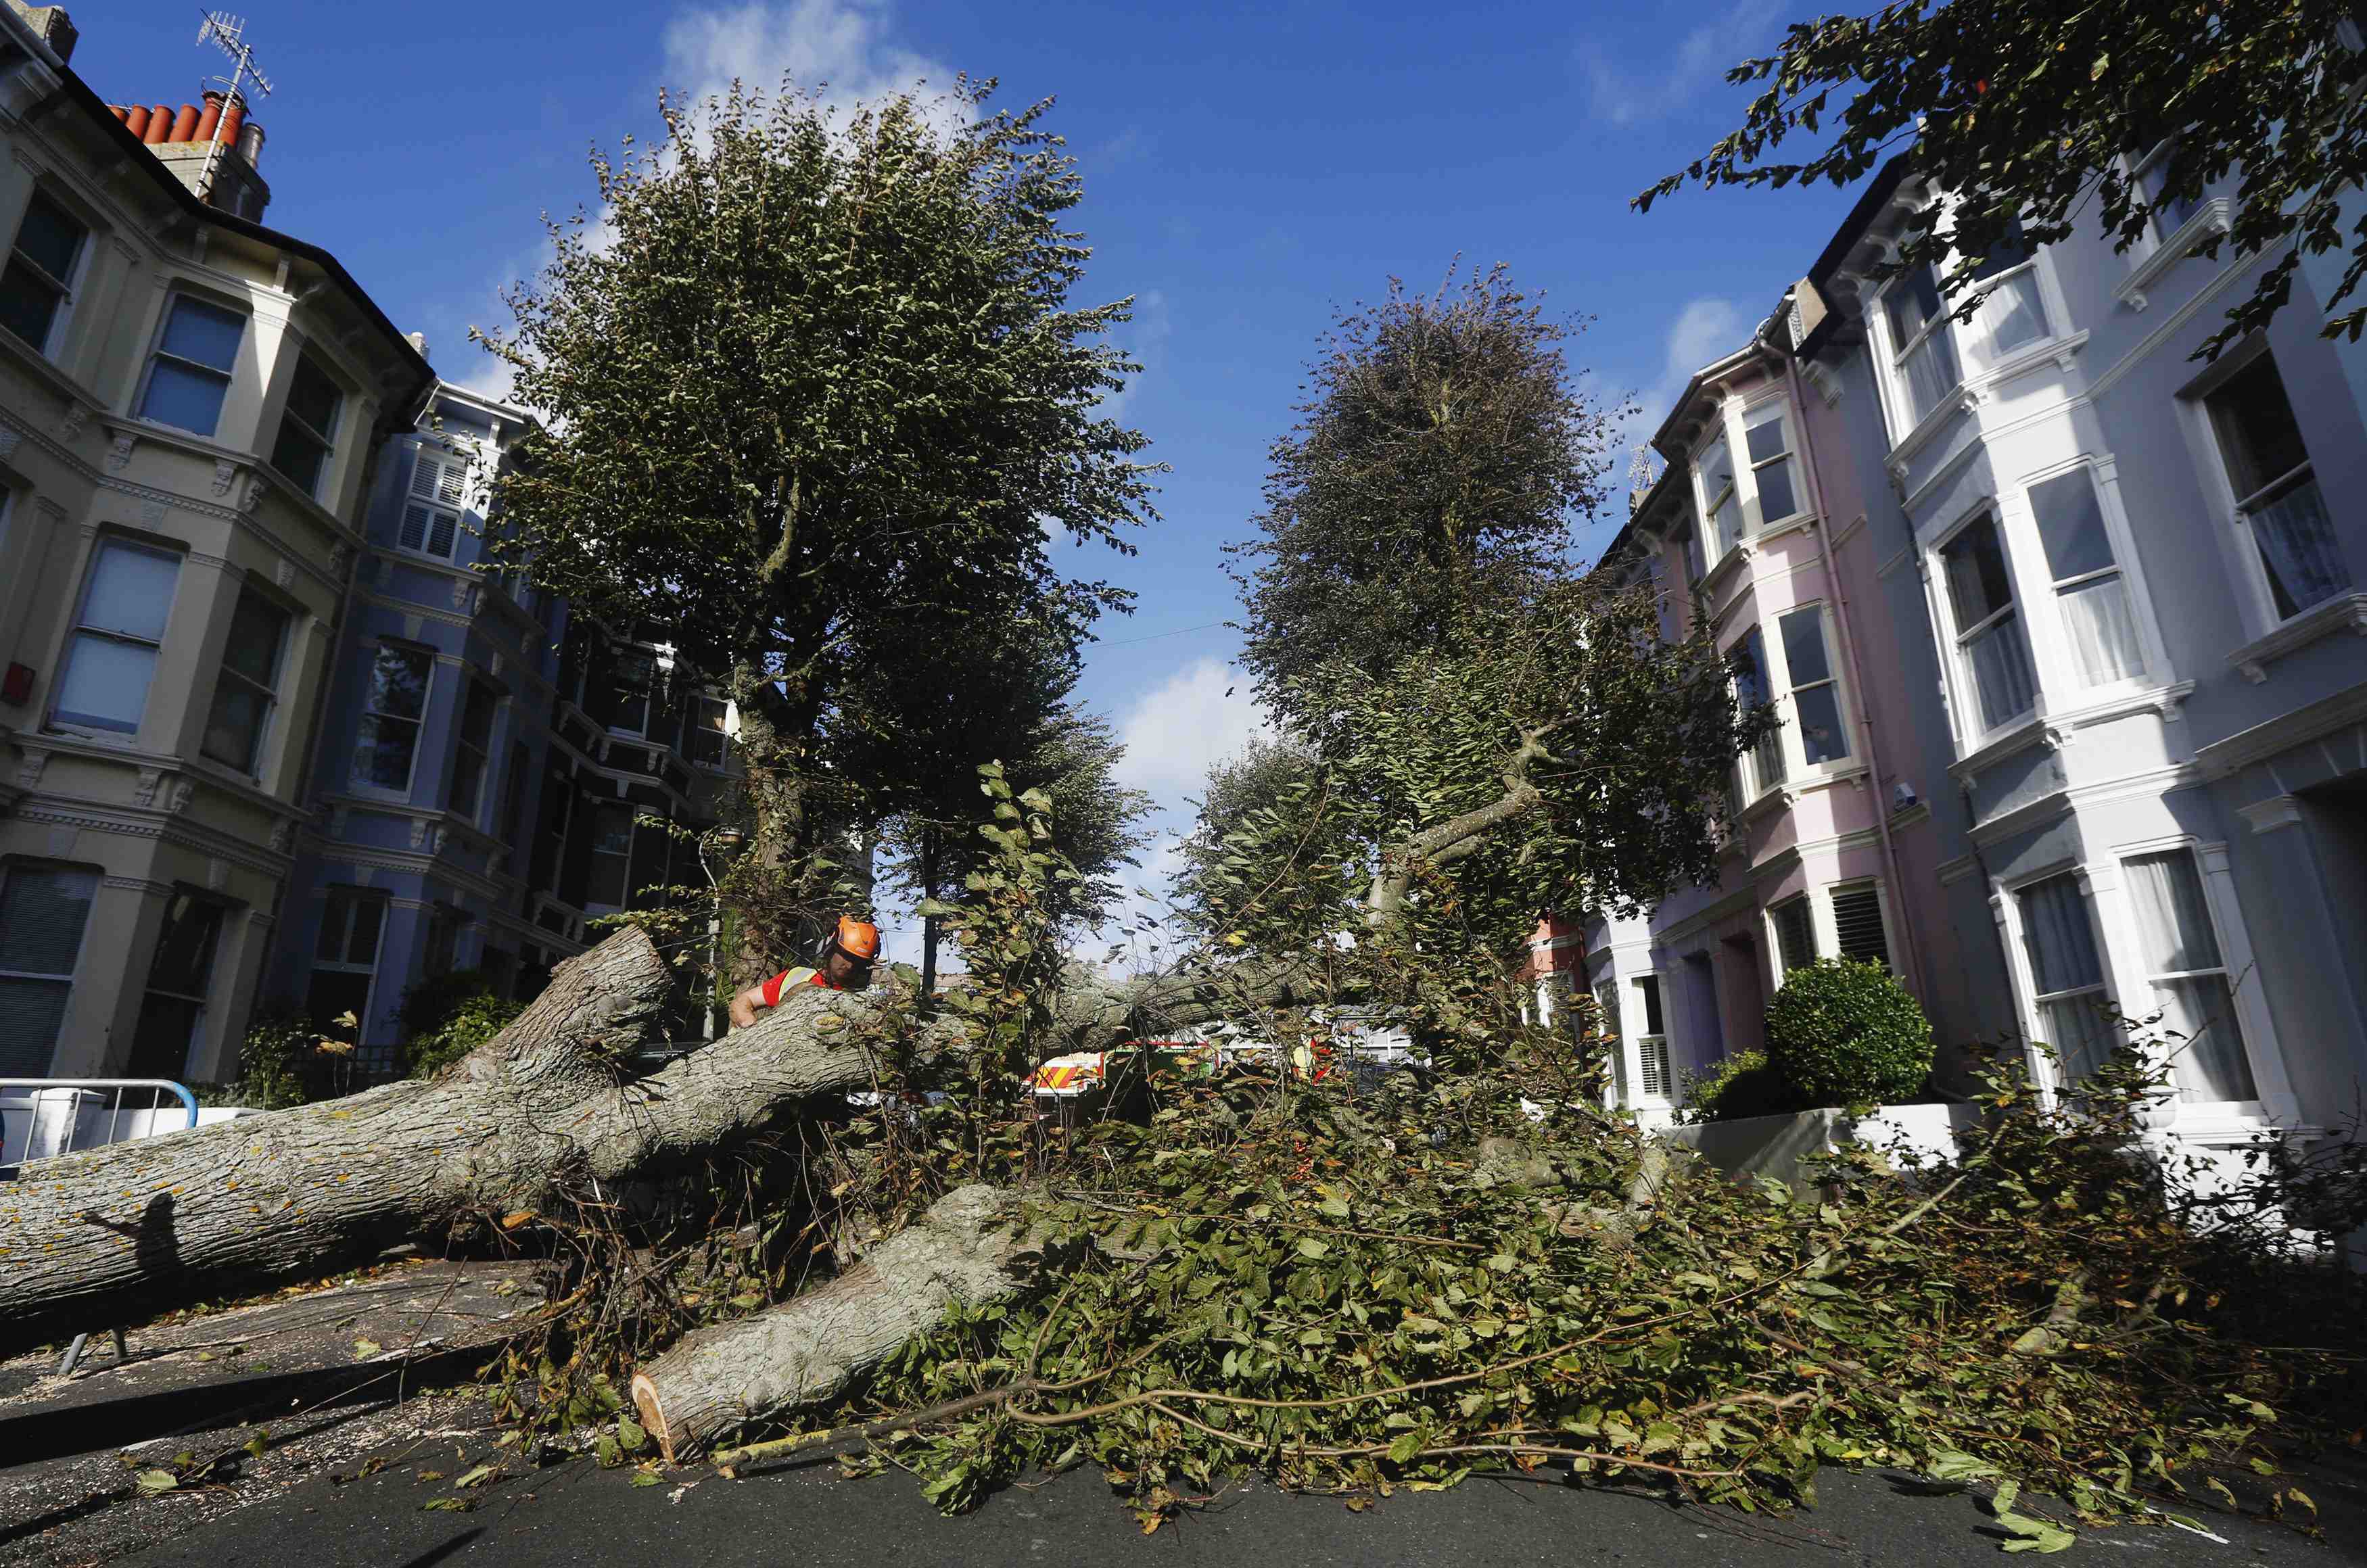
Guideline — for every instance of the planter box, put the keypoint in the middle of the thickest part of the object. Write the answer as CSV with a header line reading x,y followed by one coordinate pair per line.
x,y
1781,1147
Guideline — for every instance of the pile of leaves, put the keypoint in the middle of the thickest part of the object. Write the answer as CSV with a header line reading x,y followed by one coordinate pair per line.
x,y
1355,1292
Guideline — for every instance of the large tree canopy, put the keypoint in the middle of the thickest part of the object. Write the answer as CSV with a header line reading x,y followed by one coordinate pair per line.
x,y
1441,453
812,385
2050,116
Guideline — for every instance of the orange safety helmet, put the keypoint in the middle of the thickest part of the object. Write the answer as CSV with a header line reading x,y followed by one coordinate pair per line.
x,y
857,939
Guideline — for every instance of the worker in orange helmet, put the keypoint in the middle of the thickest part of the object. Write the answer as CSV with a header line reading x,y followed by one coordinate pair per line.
x,y
846,966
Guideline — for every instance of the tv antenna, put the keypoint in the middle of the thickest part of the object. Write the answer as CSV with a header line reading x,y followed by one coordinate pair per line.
x,y
228,33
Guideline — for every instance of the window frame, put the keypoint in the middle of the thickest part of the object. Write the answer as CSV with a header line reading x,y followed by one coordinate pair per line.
x,y
2046,1070
2141,173
199,1002
156,351
463,748
700,703
1797,768
1974,731
621,655
1753,775
2226,970
69,289
1651,1044
1895,355
1872,887
1781,401
2261,612
88,724
2050,647
1776,916
433,502
254,766
1976,362
326,440
11,869
1705,507
353,779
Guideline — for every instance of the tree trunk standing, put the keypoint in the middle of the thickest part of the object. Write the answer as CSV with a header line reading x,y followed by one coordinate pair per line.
x,y
928,923
814,1348
776,731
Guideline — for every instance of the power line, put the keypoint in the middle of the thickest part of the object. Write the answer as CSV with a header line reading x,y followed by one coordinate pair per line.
x,y
1154,636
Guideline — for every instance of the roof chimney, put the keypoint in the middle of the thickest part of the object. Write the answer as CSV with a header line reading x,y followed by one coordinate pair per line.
x,y
51,25
417,341
187,138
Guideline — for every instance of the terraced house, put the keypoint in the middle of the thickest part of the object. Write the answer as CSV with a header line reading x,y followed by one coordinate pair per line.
x,y
493,772
190,405
2088,615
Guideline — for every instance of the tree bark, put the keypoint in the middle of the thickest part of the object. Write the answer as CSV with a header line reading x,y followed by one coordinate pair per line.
x,y
813,1349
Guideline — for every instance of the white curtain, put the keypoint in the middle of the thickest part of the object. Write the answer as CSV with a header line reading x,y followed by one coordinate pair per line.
x,y
2207,1057
2014,314
1932,370
2001,671
2061,944
2103,635
2296,541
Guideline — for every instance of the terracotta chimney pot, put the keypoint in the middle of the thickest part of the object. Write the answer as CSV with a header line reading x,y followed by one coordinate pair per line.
x,y
135,118
209,117
184,124
160,124
233,116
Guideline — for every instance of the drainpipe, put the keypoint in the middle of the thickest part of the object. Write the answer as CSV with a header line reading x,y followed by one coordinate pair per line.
x,y
1849,655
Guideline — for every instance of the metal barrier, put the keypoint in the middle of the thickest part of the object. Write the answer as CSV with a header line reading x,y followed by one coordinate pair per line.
x,y
61,1115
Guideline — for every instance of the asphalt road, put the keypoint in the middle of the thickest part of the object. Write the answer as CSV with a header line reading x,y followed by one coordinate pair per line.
x,y
576,1514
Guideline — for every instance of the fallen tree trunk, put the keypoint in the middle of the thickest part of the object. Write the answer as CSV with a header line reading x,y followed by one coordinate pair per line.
x,y
112,1236
813,1349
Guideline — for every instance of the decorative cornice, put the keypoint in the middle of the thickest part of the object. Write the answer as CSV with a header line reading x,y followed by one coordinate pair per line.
x,y
2268,816
2265,739
2215,216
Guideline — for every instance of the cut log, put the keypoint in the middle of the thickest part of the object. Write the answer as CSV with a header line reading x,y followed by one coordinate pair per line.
x,y
816,1347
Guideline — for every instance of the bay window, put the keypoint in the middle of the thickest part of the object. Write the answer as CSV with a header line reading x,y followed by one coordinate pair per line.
x,y
1922,351
118,633
1992,652
1815,693
2172,211
1721,503
1752,689
470,748
43,912
635,674
2179,950
247,687
1766,436
180,980
188,373
392,707
37,288
2091,595
2012,313
2067,974
2277,495
307,428
612,853
708,743
1796,934
1652,1048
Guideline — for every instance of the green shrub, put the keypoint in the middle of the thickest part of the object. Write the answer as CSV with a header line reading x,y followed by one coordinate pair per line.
x,y
272,1062
1742,1085
1846,1032
448,1016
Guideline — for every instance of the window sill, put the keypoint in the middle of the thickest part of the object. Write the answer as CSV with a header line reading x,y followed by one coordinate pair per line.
x,y
1788,793
2014,735
2343,613
2214,217
63,384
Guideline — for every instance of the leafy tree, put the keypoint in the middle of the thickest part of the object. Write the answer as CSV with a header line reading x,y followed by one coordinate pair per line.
x,y
813,383
1250,868
2027,110
1437,463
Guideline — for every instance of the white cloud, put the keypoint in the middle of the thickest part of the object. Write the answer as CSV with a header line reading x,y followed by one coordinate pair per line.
x,y
1625,92
844,50
1144,339
1173,735
1701,331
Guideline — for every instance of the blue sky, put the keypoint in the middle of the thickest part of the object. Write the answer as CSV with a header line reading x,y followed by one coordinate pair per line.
x,y
1247,170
